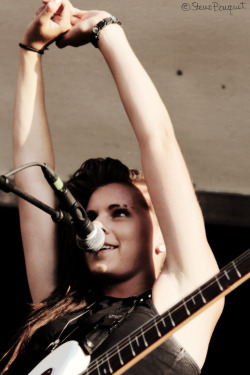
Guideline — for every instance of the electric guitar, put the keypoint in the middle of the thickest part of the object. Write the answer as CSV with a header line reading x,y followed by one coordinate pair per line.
x,y
69,358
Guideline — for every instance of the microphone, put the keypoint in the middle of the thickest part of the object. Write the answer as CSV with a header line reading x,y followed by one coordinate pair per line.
x,y
89,237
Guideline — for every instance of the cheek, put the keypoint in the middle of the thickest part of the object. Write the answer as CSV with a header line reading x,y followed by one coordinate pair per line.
x,y
141,237
130,233
145,230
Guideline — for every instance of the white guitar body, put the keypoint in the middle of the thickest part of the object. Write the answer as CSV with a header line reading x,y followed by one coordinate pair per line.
x,y
67,359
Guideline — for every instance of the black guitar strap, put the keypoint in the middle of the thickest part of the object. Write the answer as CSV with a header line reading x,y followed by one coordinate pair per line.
x,y
101,330
105,326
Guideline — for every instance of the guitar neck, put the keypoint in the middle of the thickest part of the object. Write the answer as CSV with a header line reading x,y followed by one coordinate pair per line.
x,y
158,329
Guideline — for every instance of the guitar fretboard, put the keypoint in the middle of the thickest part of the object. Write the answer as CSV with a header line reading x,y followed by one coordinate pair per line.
x,y
158,329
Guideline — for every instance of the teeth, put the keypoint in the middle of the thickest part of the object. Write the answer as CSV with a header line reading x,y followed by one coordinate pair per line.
x,y
109,247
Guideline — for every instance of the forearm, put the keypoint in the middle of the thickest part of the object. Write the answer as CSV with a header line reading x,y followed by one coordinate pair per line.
x,y
31,136
143,105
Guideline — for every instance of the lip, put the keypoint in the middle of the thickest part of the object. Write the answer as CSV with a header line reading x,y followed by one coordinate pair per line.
x,y
107,247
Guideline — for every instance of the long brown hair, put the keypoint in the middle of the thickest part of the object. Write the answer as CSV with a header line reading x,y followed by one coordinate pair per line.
x,y
74,279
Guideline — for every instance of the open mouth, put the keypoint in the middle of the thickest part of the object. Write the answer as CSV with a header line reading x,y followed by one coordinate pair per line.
x,y
108,247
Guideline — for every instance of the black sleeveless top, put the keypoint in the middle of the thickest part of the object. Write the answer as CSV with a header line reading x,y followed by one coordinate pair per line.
x,y
167,359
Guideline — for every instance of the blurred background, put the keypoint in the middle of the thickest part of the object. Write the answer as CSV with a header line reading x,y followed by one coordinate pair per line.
x,y
198,56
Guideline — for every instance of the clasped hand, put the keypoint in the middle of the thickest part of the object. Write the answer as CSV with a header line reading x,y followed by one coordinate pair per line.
x,y
58,20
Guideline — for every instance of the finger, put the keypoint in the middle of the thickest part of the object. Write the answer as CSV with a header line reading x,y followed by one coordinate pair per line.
x,y
64,16
65,3
77,16
39,11
78,12
83,14
50,9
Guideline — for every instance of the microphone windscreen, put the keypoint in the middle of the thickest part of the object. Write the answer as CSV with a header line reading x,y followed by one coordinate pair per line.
x,y
93,242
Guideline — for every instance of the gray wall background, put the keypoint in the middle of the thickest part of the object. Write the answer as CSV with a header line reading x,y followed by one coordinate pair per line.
x,y
208,103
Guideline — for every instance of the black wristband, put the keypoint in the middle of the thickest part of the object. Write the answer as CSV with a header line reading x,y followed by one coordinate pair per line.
x,y
28,48
97,29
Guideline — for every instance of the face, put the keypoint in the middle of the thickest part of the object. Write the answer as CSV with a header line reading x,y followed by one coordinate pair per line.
x,y
129,234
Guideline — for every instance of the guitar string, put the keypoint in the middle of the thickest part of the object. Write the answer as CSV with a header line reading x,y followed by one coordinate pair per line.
x,y
132,337
109,354
130,340
124,343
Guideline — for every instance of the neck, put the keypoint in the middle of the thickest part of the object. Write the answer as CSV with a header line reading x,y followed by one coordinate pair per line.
x,y
129,288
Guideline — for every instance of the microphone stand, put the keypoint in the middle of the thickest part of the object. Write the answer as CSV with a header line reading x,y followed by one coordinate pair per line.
x,y
7,185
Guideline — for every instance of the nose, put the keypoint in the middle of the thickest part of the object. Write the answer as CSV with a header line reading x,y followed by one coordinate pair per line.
x,y
100,223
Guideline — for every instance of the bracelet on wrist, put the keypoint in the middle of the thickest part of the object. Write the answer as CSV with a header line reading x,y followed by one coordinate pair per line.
x,y
28,48
97,29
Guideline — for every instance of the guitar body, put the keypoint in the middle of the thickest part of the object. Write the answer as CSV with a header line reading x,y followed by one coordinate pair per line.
x,y
67,359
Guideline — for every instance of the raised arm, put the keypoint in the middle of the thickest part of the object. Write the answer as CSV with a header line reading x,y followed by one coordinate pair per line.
x,y
190,261
32,143
167,177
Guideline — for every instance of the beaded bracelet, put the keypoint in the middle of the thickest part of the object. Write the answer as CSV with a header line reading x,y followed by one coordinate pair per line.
x,y
97,29
28,48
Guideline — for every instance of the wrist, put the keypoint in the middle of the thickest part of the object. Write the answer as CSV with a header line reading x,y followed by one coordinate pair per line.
x,y
111,38
99,28
38,45
27,47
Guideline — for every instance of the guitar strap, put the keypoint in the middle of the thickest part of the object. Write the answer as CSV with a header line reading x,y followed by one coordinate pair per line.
x,y
103,328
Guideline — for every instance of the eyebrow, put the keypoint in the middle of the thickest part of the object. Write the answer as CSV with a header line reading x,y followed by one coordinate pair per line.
x,y
115,205
112,206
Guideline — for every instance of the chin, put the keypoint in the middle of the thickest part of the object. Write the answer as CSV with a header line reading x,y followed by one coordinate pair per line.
x,y
99,269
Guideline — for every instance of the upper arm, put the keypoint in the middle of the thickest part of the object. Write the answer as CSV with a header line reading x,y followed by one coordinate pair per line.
x,y
176,205
190,261
38,235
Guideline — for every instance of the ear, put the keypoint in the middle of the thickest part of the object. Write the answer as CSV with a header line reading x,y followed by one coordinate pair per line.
x,y
160,249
